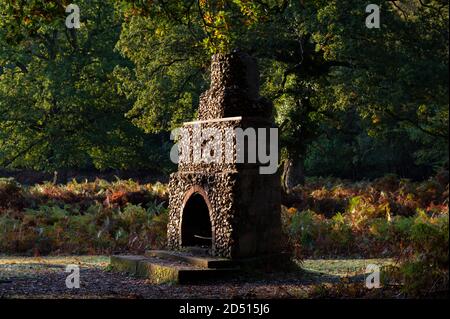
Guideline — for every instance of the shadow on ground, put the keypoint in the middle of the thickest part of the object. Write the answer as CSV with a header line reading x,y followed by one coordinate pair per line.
x,y
26,277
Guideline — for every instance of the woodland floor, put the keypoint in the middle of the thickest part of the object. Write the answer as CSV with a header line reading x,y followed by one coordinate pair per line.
x,y
44,277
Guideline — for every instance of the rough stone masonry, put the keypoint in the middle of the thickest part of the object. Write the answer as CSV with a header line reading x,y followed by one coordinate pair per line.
x,y
227,207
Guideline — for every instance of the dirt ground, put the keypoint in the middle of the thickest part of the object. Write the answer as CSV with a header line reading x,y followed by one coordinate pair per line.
x,y
45,277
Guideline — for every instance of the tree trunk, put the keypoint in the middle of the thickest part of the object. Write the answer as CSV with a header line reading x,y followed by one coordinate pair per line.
x,y
293,174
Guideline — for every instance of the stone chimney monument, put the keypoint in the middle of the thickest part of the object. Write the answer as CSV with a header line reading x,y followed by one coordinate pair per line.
x,y
225,207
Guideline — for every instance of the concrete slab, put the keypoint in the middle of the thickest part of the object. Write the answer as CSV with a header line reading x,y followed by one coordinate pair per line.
x,y
159,270
200,261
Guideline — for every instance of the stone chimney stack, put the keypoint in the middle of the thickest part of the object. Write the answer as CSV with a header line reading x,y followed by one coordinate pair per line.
x,y
228,208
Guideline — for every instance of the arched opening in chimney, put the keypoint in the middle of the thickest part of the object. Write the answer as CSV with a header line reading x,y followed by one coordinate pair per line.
x,y
196,229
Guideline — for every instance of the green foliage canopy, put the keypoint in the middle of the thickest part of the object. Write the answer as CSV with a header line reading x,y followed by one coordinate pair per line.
x,y
59,106
376,98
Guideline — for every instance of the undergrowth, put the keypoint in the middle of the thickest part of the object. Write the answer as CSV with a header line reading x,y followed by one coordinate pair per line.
x,y
330,218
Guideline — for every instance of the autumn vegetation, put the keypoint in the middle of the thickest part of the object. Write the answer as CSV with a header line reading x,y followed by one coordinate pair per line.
x,y
325,218
363,117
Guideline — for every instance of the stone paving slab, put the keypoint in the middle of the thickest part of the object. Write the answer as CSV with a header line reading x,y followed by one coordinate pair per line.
x,y
159,270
